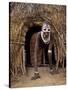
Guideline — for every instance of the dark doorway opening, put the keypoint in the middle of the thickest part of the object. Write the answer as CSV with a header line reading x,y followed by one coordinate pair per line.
x,y
32,30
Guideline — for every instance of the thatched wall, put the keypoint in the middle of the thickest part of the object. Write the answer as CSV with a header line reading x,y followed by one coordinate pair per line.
x,y
23,16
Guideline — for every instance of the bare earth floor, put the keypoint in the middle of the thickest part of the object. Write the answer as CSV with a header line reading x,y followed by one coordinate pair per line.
x,y
46,78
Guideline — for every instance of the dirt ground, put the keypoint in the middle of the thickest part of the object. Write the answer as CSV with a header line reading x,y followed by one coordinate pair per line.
x,y
46,78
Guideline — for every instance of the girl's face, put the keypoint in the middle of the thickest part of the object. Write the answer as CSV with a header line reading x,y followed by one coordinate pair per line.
x,y
46,31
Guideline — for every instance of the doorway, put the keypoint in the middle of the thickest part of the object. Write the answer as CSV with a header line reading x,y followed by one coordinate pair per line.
x,y
32,30
28,57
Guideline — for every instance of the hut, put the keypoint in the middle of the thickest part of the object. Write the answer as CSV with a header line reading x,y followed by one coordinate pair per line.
x,y
25,20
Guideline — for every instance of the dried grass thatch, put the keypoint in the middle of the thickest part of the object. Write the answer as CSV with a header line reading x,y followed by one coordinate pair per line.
x,y
22,15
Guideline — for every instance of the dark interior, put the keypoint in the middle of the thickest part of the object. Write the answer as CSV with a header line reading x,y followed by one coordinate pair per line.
x,y
31,31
